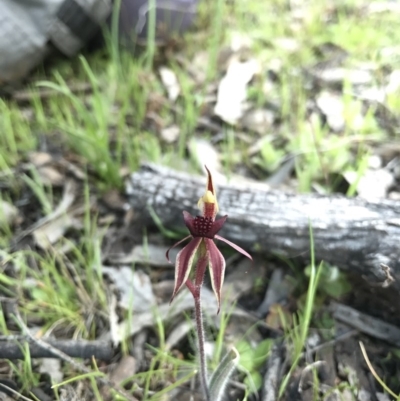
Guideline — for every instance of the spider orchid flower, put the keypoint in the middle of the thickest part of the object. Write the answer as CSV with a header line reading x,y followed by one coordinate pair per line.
x,y
203,230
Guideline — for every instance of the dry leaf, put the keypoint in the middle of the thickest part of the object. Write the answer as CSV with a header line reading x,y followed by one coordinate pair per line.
x,y
51,176
288,44
9,214
332,106
39,159
205,154
338,75
170,134
51,228
153,255
52,367
258,120
125,369
52,231
232,90
171,83
134,288
274,317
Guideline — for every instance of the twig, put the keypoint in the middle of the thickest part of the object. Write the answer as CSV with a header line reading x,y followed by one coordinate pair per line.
x,y
331,343
14,392
61,355
373,371
10,348
25,96
314,365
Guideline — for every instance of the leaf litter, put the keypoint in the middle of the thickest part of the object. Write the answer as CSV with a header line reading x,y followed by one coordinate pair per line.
x,y
347,99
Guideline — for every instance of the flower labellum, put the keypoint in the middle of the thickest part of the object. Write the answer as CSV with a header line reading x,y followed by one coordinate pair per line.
x,y
203,230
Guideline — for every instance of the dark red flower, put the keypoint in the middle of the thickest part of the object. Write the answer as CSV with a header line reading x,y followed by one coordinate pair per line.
x,y
203,230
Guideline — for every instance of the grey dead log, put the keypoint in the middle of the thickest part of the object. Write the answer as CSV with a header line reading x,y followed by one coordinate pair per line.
x,y
14,349
350,233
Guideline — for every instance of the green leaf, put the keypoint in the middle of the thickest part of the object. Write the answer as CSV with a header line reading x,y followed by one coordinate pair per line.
x,y
221,376
246,355
253,381
261,352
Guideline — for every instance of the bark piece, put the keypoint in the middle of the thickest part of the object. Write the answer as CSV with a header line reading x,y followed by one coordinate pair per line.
x,y
272,377
350,233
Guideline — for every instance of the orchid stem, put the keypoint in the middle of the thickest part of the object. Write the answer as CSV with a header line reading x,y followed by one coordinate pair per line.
x,y
195,289
201,343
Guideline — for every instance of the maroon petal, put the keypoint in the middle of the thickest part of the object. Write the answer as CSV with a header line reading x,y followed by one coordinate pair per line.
x,y
184,261
173,246
189,222
217,225
234,246
217,268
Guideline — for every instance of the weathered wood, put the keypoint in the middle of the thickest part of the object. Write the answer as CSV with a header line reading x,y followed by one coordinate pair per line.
x,y
13,349
350,233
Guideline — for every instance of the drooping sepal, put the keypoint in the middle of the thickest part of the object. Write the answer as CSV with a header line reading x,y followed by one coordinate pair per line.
x,y
234,246
183,265
217,268
176,244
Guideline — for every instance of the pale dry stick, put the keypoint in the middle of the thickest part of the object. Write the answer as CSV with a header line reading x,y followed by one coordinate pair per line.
x,y
373,371
25,96
331,343
313,365
61,355
15,392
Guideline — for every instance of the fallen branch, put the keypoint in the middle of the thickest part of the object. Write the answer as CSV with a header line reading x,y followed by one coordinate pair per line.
x,y
350,233
12,349
66,358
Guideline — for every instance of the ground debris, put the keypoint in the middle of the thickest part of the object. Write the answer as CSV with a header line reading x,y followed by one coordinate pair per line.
x,y
272,379
134,288
306,100
232,90
366,324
